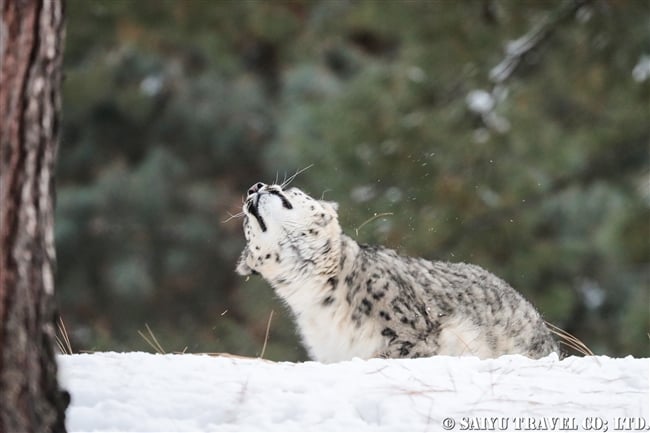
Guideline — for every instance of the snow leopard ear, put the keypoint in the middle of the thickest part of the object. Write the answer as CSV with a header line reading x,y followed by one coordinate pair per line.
x,y
331,204
242,266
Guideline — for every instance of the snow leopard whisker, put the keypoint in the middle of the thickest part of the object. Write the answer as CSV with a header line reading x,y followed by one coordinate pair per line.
x,y
232,217
286,182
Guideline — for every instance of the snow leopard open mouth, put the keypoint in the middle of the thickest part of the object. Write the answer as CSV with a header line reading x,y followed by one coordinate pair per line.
x,y
252,205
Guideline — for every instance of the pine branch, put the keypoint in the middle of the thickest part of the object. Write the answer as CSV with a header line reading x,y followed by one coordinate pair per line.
x,y
517,50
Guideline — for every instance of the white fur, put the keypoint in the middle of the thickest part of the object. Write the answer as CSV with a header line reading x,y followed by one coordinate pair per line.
x,y
463,338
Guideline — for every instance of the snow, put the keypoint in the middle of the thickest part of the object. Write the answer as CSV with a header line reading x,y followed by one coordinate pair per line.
x,y
641,71
416,74
151,85
480,101
146,392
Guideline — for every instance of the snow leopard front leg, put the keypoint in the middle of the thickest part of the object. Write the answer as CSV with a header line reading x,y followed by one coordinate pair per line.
x,y
403,348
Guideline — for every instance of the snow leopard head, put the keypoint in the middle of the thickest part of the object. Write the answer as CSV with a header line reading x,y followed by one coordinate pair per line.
x,y
289,234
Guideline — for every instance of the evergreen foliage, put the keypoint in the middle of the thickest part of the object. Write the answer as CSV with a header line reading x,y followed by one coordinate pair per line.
x,y
172,109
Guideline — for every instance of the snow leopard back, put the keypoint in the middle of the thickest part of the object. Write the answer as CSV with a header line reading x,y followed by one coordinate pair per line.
x,y
431,307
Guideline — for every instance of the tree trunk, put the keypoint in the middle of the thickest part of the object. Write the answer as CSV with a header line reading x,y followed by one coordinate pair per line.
x,y
31,38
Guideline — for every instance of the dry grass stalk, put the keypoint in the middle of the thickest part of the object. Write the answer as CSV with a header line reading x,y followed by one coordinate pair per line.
x,y
62,338
152,340
374,217
266,336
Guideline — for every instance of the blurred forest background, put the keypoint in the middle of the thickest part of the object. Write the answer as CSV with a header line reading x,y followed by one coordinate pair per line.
x,y
535,167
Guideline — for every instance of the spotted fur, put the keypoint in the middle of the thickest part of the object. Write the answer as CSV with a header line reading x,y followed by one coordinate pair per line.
x,y
351,300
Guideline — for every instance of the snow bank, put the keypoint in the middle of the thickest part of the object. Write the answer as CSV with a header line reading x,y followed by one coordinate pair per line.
x,y
145,392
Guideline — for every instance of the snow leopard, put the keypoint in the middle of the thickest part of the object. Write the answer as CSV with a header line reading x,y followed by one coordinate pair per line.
x,y
352,300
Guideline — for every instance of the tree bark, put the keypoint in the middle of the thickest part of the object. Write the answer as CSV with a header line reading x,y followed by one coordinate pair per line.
x,y
31,40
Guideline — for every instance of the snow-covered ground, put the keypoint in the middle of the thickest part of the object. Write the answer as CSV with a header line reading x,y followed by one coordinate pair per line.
x,y
145,392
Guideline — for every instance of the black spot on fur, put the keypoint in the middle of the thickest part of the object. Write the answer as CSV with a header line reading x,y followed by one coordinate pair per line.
x,y
388,332
327,301
445,308
365,306
412,323
384,315
405,349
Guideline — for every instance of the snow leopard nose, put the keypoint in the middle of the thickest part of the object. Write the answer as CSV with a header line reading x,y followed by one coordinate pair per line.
x,y
255,188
